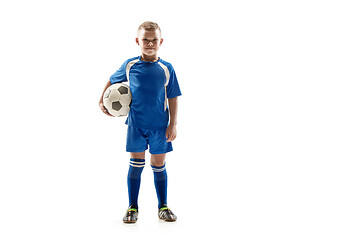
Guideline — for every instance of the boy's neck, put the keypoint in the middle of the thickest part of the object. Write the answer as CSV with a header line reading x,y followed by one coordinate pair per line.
x,y
149,58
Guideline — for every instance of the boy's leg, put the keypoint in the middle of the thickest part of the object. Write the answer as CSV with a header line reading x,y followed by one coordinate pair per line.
x,y
160,177
139,155
137,163
136,144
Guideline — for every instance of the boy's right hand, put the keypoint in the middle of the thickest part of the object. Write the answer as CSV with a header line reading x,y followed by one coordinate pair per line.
x,y
102,107
101,104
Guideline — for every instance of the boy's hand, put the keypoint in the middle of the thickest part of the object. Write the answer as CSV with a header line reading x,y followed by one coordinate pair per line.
x,y
171,133
101,105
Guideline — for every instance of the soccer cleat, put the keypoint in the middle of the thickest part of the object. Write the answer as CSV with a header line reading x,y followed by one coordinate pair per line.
x,y
131,215
166,214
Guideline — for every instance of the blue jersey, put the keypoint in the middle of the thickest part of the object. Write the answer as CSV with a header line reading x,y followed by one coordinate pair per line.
x,y
151,84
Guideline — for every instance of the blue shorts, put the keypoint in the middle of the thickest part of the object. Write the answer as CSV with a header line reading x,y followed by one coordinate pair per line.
x,y
138,140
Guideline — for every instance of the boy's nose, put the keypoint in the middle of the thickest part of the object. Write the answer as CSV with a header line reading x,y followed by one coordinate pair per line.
x,y
150,43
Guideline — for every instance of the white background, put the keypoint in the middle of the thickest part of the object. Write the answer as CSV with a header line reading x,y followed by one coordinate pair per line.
x,y
268,133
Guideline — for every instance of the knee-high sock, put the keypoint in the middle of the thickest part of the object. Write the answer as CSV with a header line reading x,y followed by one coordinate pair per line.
x,y
134,179
160,180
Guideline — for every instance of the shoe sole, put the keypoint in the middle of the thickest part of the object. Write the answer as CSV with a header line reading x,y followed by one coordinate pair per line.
x,y
129,221
168,220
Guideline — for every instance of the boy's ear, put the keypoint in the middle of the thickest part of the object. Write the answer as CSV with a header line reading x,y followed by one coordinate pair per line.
x,y
137,41
161,41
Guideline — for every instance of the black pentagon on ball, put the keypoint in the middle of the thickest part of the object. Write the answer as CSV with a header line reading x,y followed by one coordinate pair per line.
x,y
116,106
123,90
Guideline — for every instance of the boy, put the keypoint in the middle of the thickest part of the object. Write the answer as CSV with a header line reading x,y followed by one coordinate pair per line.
x,y
153,83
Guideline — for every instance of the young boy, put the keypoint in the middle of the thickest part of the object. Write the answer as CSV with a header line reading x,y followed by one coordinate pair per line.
x,y
153,83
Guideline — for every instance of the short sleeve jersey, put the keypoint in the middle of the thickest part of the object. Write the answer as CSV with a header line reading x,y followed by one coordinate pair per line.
x,y
151,84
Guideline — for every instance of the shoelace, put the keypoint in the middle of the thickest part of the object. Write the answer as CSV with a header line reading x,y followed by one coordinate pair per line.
x,y
132,210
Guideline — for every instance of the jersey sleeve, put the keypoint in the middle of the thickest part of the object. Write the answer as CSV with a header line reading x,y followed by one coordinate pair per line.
x,y
173,89
119,75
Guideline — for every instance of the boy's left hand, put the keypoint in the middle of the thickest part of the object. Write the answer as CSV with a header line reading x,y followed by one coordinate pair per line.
x,y
170,133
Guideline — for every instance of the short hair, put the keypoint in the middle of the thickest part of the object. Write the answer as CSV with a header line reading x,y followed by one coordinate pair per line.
x,y
149,26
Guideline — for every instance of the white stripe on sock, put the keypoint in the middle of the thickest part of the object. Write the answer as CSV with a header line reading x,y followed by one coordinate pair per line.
x,y
158,169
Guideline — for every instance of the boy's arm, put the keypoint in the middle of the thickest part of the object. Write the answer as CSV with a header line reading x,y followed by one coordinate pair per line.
x,y
101,104
171,130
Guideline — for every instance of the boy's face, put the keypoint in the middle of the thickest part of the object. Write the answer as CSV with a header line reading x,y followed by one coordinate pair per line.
x,y
149,41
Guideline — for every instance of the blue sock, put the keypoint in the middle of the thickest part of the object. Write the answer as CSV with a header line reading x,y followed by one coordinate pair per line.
x,y
133,179
160,180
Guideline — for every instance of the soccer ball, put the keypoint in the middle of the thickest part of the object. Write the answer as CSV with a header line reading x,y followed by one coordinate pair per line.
x,y
117,99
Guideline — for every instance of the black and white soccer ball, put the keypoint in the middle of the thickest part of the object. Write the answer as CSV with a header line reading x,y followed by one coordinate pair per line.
x,y
117,99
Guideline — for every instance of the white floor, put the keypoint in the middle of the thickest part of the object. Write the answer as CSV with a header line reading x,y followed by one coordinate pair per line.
x,y
86,199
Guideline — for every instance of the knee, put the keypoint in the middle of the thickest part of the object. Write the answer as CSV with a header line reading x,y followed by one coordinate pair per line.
x,y
138,155
158,163
158,160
